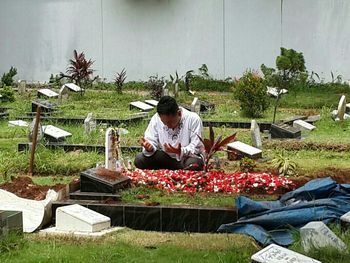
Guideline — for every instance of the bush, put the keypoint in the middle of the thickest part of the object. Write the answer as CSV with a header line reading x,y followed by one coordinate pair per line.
x,y
201,84
247,165
250,91
155,86
7,78
7,94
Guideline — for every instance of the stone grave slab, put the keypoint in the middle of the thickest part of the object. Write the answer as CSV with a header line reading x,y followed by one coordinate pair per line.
x,y
284,131
47,93
73,87
206,106
46,106
53,231
140,105
277,254
79,218
317,235
54,133
255,134
303,125
341,108
292,119
313,118
153,103
244,150
22,86
274,91
10,221
89,123
19,123
90,181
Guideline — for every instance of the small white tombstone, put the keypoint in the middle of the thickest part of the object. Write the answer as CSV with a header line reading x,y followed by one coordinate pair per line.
x,y
245,149
19,123
317,235
153,103
63,92
22,86
341,108
345,217
277,254
73,87
89,123
255,134
303,125
55,132
196,105
112,149
140,105
79,218
48,93
275,91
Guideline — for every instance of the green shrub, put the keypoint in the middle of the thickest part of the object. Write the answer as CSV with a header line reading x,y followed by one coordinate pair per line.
x,y
250,91
201,84
155,86
247,165
7,78
285,165
7,94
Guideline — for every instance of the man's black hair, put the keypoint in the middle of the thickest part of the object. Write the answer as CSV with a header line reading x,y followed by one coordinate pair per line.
x,y
167,106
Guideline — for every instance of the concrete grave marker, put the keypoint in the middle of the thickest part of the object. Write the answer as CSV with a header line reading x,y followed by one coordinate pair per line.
x,y
255,134
274,91
277,254
196,105
22,86
112,149
19,123
303,125
140,105
79,218
64,92
341,108
284,131
153,103
55,132
244,150
45,105
89,123
73,87
10,220
317,235
47,93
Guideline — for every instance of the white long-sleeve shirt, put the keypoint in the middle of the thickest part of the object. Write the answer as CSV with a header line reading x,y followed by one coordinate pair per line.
x,y
186,133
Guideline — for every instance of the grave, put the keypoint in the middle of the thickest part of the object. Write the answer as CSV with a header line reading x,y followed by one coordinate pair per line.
x,y
153,103
195,105
274,91
241,150
277,254
46,106
140,105
64,92
72,87
54,133
303,125
317,235
22,86
255,134
10,221
19,123
47,93
206,106
89,123
341,109
284,131
313,118
290,120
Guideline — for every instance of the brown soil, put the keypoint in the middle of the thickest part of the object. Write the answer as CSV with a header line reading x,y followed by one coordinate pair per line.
x,y
109,175
299,145
24,187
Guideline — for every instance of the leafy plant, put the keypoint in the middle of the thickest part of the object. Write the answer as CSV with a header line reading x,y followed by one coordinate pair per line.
x,y
55,80
250,91
213,145
247,165
119,80
188,77
155,86
7,78
7,94
284,165
175,80
203,70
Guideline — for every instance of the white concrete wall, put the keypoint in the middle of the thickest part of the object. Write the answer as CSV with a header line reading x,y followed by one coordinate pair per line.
x,y
150,37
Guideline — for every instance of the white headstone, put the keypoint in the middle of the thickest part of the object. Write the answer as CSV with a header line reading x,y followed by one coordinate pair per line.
x,y
63,92
140,105
277,254
345,217
317,235
275,91
341,108
48,93
303,125
196,105
255,134
153,103
19,123
55,132
73,87
112,149
89,123
79,218
245,149
22,86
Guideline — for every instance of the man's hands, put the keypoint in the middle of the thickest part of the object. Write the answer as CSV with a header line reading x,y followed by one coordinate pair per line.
x,y
171,149
146,144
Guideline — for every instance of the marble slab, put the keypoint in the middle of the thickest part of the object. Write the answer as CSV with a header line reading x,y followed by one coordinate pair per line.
x,y
153,103
55,132
73,87
140,105
47,93
303,125
19,123
245,150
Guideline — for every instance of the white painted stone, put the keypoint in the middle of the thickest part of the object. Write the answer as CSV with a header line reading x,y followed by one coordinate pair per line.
x,y
345,217
73,87
317,235
246,149
19,123
196,105
53,231
112,149
277,254
341,108
35,213
48,93
22,86
79,218
303,125
55,132
153,103
255,134
274,91
141,105
89,123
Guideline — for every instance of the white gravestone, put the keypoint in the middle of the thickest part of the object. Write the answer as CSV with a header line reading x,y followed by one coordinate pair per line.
x,y
196,105
277,254
303,125
341,108
89,123
22,86
79,218
55,132
255,134
19,123
140,105
275,92
153,103
73,87
345,217
245,149
48,93
63,92
112,150
317,235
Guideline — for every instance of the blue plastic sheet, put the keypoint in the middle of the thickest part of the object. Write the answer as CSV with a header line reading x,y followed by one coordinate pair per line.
x,y
274,221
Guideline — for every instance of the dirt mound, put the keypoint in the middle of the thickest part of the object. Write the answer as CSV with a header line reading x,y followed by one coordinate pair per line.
x,y
24,187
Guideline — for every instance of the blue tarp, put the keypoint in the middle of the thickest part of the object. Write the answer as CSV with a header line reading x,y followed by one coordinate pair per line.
x,y
273,221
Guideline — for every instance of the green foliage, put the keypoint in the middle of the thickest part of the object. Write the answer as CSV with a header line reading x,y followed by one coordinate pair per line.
x,y
7,94
119,80
55,81
285,165
199,83
7,78
155,86
250,91
247,165
11,241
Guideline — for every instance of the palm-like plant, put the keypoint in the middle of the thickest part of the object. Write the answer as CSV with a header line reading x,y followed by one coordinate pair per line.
x,y
119,80
213,145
